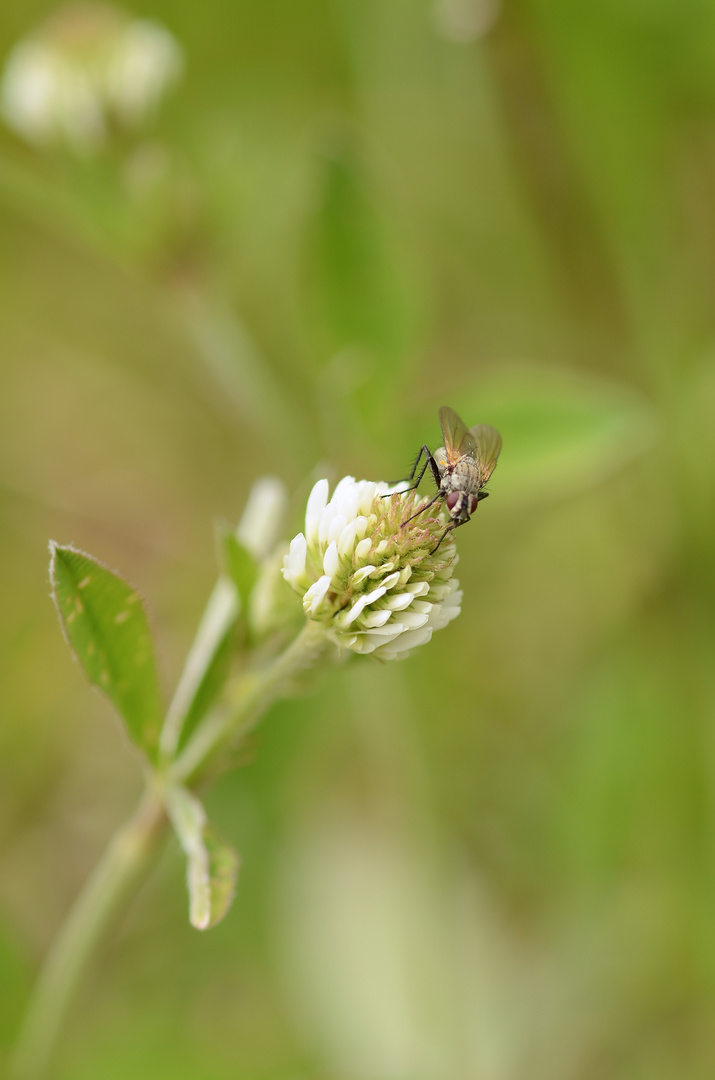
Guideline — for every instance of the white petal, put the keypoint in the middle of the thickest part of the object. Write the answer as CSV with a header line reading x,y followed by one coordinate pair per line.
x,y
439,590
444,613
384,636
345,489
391,629
331,562
294,567
377,617
418,588
346,498
360,575
368,598
399,601
391,580
413,619
349,506
375,594
363,548
315,594
409,640
365,643
336,526
316,504
354,529
367,494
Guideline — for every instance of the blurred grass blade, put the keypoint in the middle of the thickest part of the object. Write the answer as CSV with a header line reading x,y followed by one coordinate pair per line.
x,y
360,299
248,388
106,625
211,863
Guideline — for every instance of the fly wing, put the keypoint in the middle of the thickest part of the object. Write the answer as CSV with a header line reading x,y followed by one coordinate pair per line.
x,y
487,443
458,440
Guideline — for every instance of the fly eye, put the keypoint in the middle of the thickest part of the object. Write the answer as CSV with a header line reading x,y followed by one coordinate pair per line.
x,y
473,500
452,500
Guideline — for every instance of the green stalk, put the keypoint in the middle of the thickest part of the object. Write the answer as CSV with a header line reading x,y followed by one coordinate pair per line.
x,y
115,878
110,885
252,694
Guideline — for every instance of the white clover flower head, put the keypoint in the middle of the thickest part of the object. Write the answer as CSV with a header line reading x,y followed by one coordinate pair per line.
x,y
377,586
88,68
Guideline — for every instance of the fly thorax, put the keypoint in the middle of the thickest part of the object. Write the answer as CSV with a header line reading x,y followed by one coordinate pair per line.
x,y
465,475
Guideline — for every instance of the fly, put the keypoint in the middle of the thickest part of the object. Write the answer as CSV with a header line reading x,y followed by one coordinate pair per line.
x,y
460,468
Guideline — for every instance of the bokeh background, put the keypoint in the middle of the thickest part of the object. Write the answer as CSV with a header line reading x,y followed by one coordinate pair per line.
x,y
494,860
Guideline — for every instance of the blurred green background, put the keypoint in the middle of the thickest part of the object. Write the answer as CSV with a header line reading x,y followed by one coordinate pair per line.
x,y
495,860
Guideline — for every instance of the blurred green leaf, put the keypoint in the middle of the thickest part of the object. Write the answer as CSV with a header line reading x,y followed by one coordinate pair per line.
x,y
211,863
240,563
562,431
359,297
105,623
15,979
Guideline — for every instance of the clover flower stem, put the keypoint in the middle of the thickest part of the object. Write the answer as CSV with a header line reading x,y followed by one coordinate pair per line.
x,y
113,881
216,622
129,853
253,693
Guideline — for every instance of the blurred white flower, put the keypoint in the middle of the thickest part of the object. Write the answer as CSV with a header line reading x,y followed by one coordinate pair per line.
x,y
271,607
463,21
377,586
86,68
262,519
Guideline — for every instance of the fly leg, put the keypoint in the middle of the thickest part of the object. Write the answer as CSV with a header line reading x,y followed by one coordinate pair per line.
x,y
429,461
455,524
450,528
421,510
